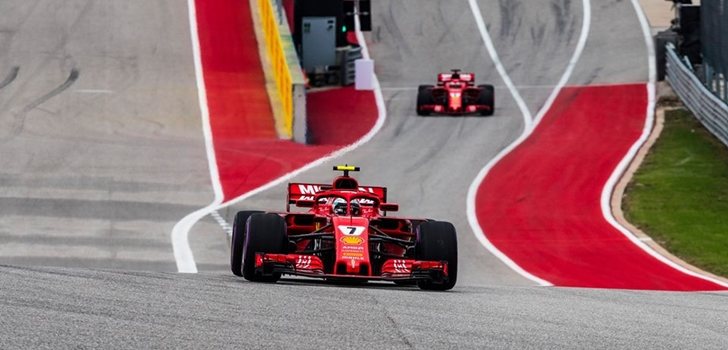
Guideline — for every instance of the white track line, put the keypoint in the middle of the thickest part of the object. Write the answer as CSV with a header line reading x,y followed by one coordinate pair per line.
x,y
529,126
527,118
224,224
617,174
182,252
180,243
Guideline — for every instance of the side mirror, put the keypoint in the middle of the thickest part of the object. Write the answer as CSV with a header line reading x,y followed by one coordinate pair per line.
x,y
305,203
389,207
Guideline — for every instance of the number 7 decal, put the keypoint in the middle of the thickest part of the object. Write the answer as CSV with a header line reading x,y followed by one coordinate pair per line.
x,y
351,230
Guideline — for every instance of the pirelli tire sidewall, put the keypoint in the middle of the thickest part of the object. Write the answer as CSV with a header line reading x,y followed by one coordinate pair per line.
x,y
265,233
424,97
437,241
487,97
238,240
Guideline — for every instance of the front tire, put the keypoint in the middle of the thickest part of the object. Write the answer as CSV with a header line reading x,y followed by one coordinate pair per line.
x,y
487,97
265,233
424,97
437,241
238,240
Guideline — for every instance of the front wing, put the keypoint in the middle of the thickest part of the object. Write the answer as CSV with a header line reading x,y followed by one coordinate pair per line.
x,y
312,266
444,109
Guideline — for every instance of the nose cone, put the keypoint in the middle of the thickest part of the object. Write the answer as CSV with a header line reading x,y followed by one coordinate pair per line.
x,y
352,246
456,101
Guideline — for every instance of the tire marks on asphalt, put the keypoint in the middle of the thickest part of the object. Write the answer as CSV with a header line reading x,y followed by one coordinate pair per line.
x,y
72,77
10,77
19,117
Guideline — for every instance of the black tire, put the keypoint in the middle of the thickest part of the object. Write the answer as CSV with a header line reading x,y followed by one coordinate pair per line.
x,y
265,233
437,240
424,97
238,240
487,97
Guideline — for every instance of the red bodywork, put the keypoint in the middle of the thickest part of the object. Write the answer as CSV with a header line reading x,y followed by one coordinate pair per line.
x,y
361,244
455,94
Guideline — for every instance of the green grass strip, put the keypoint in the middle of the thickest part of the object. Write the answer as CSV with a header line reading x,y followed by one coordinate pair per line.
x,y
679,195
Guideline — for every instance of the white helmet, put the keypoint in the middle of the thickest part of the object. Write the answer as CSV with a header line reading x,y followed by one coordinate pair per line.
x,y
339,206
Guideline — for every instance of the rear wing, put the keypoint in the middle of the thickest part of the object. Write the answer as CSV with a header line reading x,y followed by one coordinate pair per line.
x,y
464,77
298,191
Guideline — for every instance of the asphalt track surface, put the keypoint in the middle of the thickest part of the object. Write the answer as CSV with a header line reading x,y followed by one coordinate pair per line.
x,y
491,306
101,137
63,308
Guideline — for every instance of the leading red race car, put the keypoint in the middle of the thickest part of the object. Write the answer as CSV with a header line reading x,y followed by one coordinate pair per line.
x,y
345,234
455,94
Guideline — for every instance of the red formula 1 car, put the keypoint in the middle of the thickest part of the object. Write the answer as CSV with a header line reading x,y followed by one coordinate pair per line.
x,y
455,94
344,234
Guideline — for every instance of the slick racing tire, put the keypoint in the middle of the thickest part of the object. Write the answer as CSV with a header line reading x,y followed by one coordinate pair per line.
x,y
238,240
487,97
424,97
437,241
265,233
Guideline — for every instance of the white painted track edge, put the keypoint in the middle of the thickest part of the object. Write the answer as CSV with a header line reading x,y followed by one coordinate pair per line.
x,y
180,241
529,126
624,163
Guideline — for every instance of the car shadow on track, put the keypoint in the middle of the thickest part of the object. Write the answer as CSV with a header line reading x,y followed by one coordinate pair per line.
x,y
346,284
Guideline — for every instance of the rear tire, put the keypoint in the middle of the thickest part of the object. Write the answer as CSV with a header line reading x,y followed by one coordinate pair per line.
x,y
437,241
487,97
238,240
424,97
265,233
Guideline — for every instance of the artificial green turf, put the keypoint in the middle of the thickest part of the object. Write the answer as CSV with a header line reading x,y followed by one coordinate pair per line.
x,y
679,195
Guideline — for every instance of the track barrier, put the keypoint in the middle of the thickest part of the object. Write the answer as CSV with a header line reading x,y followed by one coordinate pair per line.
x,y
703,103
286,71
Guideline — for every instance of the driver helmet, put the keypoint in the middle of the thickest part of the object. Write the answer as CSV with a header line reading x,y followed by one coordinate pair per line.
x,y
339,206
355,208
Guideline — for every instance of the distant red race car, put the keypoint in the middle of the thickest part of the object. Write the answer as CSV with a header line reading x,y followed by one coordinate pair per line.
x,y
344,235
455,94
